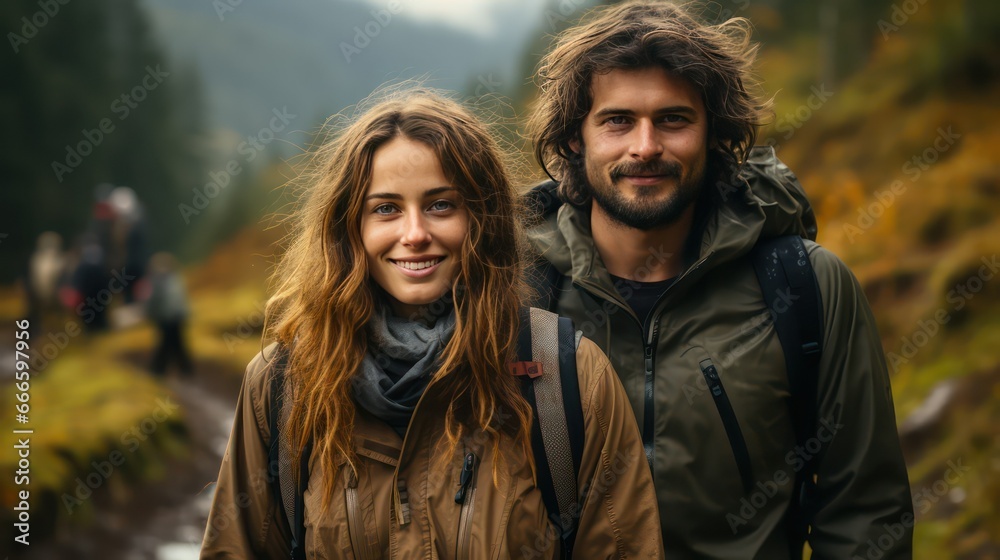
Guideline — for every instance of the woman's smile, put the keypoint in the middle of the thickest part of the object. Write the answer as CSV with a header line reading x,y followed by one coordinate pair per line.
x,y
417,267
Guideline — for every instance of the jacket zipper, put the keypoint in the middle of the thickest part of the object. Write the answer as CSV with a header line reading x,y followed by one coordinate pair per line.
x,y
650,338
466,496
649,412
354,520
731,424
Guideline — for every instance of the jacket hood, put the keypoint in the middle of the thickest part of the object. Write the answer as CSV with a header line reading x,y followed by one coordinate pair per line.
x,y
768,201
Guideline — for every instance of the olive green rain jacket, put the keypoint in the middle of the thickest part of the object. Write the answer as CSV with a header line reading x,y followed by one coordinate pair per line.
x,y
714,315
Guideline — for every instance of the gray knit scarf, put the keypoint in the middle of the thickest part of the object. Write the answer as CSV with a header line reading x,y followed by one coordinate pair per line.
x,y
401,356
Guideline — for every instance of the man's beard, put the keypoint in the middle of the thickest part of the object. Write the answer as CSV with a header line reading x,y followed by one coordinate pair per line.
x,y
644,212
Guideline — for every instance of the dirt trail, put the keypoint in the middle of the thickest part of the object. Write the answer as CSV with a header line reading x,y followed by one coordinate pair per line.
x,y
162,519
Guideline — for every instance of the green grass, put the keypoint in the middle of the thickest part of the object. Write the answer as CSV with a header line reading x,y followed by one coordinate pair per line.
x,y
83,409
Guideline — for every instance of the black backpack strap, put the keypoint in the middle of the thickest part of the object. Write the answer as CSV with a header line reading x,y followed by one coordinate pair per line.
x,y
286,492
541,202
557,437
299,529
568,343
274,412
791,291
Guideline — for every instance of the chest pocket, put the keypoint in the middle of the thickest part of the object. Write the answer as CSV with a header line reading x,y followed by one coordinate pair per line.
x,y
708,392
368,500
729,421
357,522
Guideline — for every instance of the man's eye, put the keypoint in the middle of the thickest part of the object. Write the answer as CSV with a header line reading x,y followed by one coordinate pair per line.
x,y
617,120
675,119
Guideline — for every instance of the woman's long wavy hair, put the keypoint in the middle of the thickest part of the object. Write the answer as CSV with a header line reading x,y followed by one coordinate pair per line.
x,y
324,295
715,59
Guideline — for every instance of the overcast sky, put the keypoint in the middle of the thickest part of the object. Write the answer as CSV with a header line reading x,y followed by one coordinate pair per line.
x,y
476,16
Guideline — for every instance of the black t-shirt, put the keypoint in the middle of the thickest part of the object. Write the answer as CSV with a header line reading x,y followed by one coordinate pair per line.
x,y
641,296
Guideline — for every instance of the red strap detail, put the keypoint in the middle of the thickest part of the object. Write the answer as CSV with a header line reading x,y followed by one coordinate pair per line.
x,y
531,369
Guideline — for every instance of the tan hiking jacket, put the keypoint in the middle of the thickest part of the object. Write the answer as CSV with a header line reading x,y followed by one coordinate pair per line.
x,y
402,501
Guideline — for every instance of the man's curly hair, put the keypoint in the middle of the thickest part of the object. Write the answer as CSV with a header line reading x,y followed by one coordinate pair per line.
x,y
715,59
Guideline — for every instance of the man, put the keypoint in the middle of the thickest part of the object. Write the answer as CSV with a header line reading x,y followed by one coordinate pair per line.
x,y
646,120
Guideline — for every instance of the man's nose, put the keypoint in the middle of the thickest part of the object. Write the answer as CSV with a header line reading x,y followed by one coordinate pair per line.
x,y
646,143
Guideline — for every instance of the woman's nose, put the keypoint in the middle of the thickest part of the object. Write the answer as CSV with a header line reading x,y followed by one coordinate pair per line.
x,y
415,231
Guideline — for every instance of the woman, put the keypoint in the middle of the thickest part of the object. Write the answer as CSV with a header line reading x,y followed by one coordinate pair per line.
x,y
399,304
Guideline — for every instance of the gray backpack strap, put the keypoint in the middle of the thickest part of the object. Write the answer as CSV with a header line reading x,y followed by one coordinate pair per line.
x,y
550,404
557,435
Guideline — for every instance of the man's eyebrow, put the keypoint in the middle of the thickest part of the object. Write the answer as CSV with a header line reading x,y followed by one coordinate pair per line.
x,y
611,111
396,196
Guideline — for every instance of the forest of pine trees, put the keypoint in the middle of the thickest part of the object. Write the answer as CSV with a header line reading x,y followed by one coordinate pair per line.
x,y
88,97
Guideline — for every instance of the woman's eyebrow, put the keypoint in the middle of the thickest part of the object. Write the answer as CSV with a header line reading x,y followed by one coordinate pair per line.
x,y
438,190
390,196
397,196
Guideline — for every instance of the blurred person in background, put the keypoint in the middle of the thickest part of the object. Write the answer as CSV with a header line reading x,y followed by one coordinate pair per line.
x,y
167,307
45,275
102,217
90,295
128,239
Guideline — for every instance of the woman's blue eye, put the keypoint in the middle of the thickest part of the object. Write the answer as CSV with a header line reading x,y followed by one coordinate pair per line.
x,y
384,209
442,205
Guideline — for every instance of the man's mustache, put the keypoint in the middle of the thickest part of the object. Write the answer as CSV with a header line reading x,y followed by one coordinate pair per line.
x,y
655,167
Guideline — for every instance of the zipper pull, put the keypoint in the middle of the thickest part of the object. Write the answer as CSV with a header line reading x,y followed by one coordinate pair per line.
x,y
402,503
467,467
713,380
648,355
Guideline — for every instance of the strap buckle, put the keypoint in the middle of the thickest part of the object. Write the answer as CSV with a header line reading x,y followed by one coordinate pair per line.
x,y
810,348
531,369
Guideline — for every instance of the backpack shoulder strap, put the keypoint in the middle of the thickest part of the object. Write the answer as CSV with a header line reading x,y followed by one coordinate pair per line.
x,y
275,457
791,292
548,342
541,202
279,461
545,281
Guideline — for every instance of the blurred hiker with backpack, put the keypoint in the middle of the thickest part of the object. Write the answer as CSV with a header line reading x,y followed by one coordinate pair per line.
x,y
749,353
45,276
167,307
128,235
411,406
